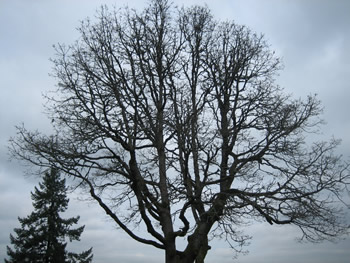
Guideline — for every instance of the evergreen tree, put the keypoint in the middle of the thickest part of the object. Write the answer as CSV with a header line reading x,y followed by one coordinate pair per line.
x,y
42,236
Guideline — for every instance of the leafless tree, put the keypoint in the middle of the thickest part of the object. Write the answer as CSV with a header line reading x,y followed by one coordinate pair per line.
x,y
171,118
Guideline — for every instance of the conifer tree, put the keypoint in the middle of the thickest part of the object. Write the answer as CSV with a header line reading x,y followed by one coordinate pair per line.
x,y
42,235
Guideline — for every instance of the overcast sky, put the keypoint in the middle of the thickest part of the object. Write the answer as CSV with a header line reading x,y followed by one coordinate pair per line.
x,y
312,37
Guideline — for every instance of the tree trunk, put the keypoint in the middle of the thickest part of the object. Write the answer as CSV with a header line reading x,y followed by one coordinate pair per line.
x,y
171,258
202,252
194,254
170,254
197,247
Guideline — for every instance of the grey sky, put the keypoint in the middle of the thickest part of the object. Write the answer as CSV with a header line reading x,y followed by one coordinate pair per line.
x,y
312,37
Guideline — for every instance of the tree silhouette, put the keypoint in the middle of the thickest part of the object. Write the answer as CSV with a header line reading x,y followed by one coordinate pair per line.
x,y
176,116
42,236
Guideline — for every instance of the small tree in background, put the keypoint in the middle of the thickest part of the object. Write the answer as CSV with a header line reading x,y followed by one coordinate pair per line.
x,y
42,236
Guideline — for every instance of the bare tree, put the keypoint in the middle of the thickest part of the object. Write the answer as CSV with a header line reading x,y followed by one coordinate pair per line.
x,y
171,118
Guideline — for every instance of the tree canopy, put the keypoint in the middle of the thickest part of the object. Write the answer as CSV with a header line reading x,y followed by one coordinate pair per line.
x,y
42,236
171,118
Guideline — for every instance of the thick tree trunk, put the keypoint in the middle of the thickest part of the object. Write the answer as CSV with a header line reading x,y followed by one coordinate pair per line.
x,y
197,247
172,257
195,252
202,253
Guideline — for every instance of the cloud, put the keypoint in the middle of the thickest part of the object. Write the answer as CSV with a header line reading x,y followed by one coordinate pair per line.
x,y
109,243
275,244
